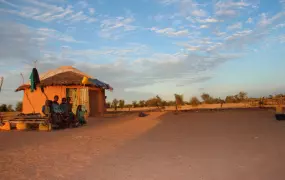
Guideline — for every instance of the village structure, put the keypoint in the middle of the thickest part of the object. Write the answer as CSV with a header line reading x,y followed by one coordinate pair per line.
x,y
66,81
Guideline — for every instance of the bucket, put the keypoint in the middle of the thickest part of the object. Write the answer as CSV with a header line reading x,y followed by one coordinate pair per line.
x,y
6,126
45,127
21,126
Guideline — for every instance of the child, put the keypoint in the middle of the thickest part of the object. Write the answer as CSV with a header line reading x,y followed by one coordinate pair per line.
x,y
80,115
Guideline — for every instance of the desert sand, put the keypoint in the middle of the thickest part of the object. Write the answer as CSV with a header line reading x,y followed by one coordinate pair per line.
x,y
223,145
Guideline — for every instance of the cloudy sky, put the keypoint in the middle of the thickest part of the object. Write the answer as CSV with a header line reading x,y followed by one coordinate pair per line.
x,y
148,47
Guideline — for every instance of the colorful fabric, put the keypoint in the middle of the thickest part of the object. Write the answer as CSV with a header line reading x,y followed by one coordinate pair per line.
x,y
100,84
35,79
80,117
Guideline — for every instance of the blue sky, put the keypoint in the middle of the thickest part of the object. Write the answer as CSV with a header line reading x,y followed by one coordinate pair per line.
x,y
148,47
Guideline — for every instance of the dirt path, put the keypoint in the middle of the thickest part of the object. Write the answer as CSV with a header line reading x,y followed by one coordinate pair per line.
x,y
229,145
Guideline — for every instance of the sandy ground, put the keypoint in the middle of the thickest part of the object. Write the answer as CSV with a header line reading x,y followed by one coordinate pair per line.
x,y
229,145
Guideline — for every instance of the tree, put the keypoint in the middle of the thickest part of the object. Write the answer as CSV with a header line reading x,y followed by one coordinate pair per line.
x,y
142,103
179,100
230,99
109,104
194,101
10,108
115,104
121,103
19,107
154,102
242,96
135,104
158,101
3,108
205,97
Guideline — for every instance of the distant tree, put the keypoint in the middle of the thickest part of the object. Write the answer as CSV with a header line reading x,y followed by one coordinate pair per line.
x,y
3,108
154,102
10,108
230,99
207,98
179,100
194,101
121,103
270,97
142,103
164,103
242,96
19,107
278,95
115,104
135,104
109,104
158,101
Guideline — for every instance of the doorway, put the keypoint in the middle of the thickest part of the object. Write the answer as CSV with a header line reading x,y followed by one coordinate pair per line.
x,y
93,102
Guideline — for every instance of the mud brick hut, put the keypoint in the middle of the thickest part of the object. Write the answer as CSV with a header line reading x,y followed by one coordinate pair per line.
x,y
66,81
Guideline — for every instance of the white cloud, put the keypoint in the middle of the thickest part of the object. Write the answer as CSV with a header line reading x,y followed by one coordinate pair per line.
x,y
235,26
9,3
45,33
199,13
226,13
45,12
218,33
282,25
239,34
208,20
187,7
91,11
204,26
118,22
229,8
249,21
114,28
266,21
171,32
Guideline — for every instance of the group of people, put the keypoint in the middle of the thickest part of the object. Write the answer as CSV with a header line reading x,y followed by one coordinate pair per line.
x,y
61,115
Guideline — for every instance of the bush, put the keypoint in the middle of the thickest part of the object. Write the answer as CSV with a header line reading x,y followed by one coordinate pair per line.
x,y
194,101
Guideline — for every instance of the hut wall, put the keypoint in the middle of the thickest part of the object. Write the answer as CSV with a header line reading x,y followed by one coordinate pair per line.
x,y
33,101
92,98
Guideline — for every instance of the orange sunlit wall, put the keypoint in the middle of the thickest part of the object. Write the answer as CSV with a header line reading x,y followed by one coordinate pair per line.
x,y
33,101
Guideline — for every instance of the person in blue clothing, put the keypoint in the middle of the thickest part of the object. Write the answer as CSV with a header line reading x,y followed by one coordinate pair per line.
x,y
80,115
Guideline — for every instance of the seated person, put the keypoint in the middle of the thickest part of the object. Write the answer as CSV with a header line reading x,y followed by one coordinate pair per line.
x,y
46,109
55,106
80,115
57,113
64,107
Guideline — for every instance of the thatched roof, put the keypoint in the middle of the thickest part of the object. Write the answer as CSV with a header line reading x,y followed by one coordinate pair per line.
x,y
65,76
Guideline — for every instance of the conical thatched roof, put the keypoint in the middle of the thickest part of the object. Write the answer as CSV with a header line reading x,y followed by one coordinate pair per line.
x,y
65,76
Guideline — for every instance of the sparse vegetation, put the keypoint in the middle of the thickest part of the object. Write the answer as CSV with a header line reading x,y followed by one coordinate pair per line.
x,y
121,103
194,101
115,104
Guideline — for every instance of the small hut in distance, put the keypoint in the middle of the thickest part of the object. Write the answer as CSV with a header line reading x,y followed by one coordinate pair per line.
x,y
66,81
